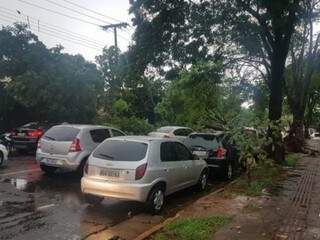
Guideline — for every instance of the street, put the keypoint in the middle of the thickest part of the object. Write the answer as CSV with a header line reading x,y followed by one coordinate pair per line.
x,y
34,205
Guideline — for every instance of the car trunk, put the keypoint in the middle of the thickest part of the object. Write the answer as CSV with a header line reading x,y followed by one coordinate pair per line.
x,y
55,147
58,139
117,160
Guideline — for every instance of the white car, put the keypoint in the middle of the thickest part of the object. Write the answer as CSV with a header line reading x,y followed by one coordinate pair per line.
x,y
3,155
141,168
177,132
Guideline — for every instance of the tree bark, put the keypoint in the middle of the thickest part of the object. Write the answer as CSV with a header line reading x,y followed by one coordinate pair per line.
x,y
295,139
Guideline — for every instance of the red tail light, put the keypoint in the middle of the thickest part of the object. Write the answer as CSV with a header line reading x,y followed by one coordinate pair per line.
x,y
140,171
86,168
220,152
75,146
35,133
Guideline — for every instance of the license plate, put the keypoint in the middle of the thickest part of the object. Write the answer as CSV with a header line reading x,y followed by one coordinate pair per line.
x,y
49,161
109,173
200,153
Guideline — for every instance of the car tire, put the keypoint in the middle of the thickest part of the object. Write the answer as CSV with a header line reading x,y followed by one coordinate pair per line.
x,y
203,181
156,199
1,159
228,171
93,200
48,169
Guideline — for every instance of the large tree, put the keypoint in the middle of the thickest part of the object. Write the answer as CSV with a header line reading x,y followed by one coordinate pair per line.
x,y
176,33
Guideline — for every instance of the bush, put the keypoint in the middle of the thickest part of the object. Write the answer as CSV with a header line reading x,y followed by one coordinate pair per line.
x,y
132,125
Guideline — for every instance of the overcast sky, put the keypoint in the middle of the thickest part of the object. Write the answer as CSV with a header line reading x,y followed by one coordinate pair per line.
x,y
83,35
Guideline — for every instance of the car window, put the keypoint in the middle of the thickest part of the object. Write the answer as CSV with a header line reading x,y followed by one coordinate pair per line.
x,y
182,132
99,135
116,133
61,133
167,152
182,153
206,141
119,150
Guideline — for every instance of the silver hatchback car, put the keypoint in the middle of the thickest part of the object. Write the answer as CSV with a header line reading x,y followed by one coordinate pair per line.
x,y
69,146
141,168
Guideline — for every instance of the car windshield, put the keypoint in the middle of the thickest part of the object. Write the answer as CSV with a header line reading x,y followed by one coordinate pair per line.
x,y
207,141
165,129
61,133
119,150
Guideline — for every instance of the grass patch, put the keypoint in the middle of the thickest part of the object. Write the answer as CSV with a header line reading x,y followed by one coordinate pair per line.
x,y
262,177
193,228
292,159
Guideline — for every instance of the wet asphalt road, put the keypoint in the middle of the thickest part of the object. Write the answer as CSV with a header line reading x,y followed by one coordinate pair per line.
x,y
34,205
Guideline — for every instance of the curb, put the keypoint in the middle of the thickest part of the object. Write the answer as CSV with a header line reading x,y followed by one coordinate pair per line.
x,y
159,226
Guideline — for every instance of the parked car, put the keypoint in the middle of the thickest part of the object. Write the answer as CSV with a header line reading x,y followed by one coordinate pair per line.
x,y
3,155
26,137
172,132
222,158
68,146
5,139
315,135
141,168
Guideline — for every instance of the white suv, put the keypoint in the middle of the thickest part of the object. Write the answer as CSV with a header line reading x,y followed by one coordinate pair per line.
x,y
141,168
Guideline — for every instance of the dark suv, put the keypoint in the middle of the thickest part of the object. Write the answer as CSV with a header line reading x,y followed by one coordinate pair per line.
x,y
26,137
221,157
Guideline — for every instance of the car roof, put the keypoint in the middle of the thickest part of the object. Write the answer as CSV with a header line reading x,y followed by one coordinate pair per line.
x,y
215,133
144,138
84,126
173,127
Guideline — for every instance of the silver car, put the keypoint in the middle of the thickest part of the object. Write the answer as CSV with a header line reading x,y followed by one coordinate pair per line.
x,y
68,146
3,155
177,132
141,168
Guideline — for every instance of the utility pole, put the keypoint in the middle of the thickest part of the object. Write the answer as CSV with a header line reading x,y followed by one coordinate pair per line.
x,y
115,26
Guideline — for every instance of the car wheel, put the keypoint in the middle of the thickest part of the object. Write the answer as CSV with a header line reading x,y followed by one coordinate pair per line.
x,y
203,181
156,199
1,159
229,171
91,199
48,169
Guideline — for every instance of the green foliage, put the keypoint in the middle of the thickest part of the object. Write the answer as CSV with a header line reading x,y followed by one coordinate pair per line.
x,y
189,98
121,106
292,159
132,125
49,84
193,228
263,176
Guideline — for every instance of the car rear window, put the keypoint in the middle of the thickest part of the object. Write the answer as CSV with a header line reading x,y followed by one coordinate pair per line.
x,y
200,140
62,133
119,150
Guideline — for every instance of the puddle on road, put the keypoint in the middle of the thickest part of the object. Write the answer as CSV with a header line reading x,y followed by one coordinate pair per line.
x,y
21,184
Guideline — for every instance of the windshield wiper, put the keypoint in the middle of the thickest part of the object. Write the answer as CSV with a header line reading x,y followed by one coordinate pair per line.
x,y
51,138
105,155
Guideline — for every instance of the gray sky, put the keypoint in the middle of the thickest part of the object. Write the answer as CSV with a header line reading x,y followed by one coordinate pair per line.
x,y
56,29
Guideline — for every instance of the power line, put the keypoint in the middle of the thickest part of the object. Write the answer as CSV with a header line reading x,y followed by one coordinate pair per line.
x,y
92,11
76,11
58,29
53,34
59,13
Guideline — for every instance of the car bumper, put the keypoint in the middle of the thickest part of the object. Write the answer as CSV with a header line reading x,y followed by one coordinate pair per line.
x,y
125,191
65,162
216,162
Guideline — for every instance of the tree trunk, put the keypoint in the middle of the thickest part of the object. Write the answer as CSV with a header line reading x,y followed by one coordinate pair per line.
x,y
295,139
276,148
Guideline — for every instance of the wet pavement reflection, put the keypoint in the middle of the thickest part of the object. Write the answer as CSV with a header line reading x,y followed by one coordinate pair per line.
x,y
34,205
